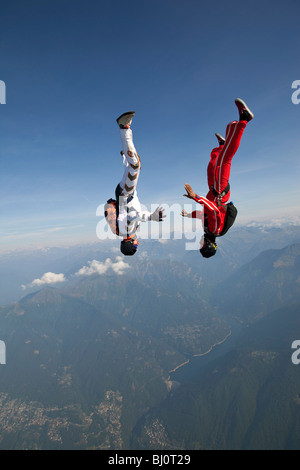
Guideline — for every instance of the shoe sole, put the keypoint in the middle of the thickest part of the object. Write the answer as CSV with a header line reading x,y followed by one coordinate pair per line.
x,y
220,137
129,113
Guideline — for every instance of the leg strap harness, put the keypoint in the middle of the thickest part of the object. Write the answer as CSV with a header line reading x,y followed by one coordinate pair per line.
x,y
219,196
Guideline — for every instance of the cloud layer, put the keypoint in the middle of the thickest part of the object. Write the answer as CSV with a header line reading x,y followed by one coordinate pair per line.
x,y
94,267
97,267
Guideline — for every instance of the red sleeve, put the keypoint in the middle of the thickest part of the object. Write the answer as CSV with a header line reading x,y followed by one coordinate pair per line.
x,y
210,206
197,214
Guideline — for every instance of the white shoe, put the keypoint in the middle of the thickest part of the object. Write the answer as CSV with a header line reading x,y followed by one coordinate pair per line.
x,y
124,121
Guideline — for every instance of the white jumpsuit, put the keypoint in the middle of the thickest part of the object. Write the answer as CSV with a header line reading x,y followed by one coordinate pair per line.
x,y
130,211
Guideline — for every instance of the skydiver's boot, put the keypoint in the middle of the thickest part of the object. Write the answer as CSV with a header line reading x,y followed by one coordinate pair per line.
x,y
221,139
124,121
244,111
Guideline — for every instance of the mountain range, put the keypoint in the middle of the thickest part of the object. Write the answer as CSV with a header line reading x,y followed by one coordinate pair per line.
x,y
246,400
89,360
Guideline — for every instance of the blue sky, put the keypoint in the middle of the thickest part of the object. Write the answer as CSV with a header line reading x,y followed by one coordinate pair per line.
x,y
71,67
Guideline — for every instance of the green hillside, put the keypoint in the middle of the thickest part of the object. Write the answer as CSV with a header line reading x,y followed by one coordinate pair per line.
x,y
248,399
268,282
88,365
67,359
96,356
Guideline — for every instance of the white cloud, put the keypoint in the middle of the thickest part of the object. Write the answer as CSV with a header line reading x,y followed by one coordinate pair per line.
x,y
47,278
97,267
94,267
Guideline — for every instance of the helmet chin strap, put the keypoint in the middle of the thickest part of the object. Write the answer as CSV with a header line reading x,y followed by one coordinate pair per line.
x,y
207,239
208,248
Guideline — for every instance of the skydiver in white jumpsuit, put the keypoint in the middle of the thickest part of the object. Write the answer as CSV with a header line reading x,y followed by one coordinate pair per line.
x,y
130,213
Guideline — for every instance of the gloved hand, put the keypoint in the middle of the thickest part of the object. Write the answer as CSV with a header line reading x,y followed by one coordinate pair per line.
x,y
158,215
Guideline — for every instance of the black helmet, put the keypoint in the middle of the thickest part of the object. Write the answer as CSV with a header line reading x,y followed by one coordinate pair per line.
x,y
209,247
129,246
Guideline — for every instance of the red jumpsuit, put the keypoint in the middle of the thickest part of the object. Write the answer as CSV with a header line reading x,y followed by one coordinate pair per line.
x,y
218,173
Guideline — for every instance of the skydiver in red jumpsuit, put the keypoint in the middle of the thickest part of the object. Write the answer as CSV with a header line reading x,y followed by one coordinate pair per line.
x,y
218,173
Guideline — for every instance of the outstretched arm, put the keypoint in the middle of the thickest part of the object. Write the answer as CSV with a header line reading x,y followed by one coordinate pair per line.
x,y
209,205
